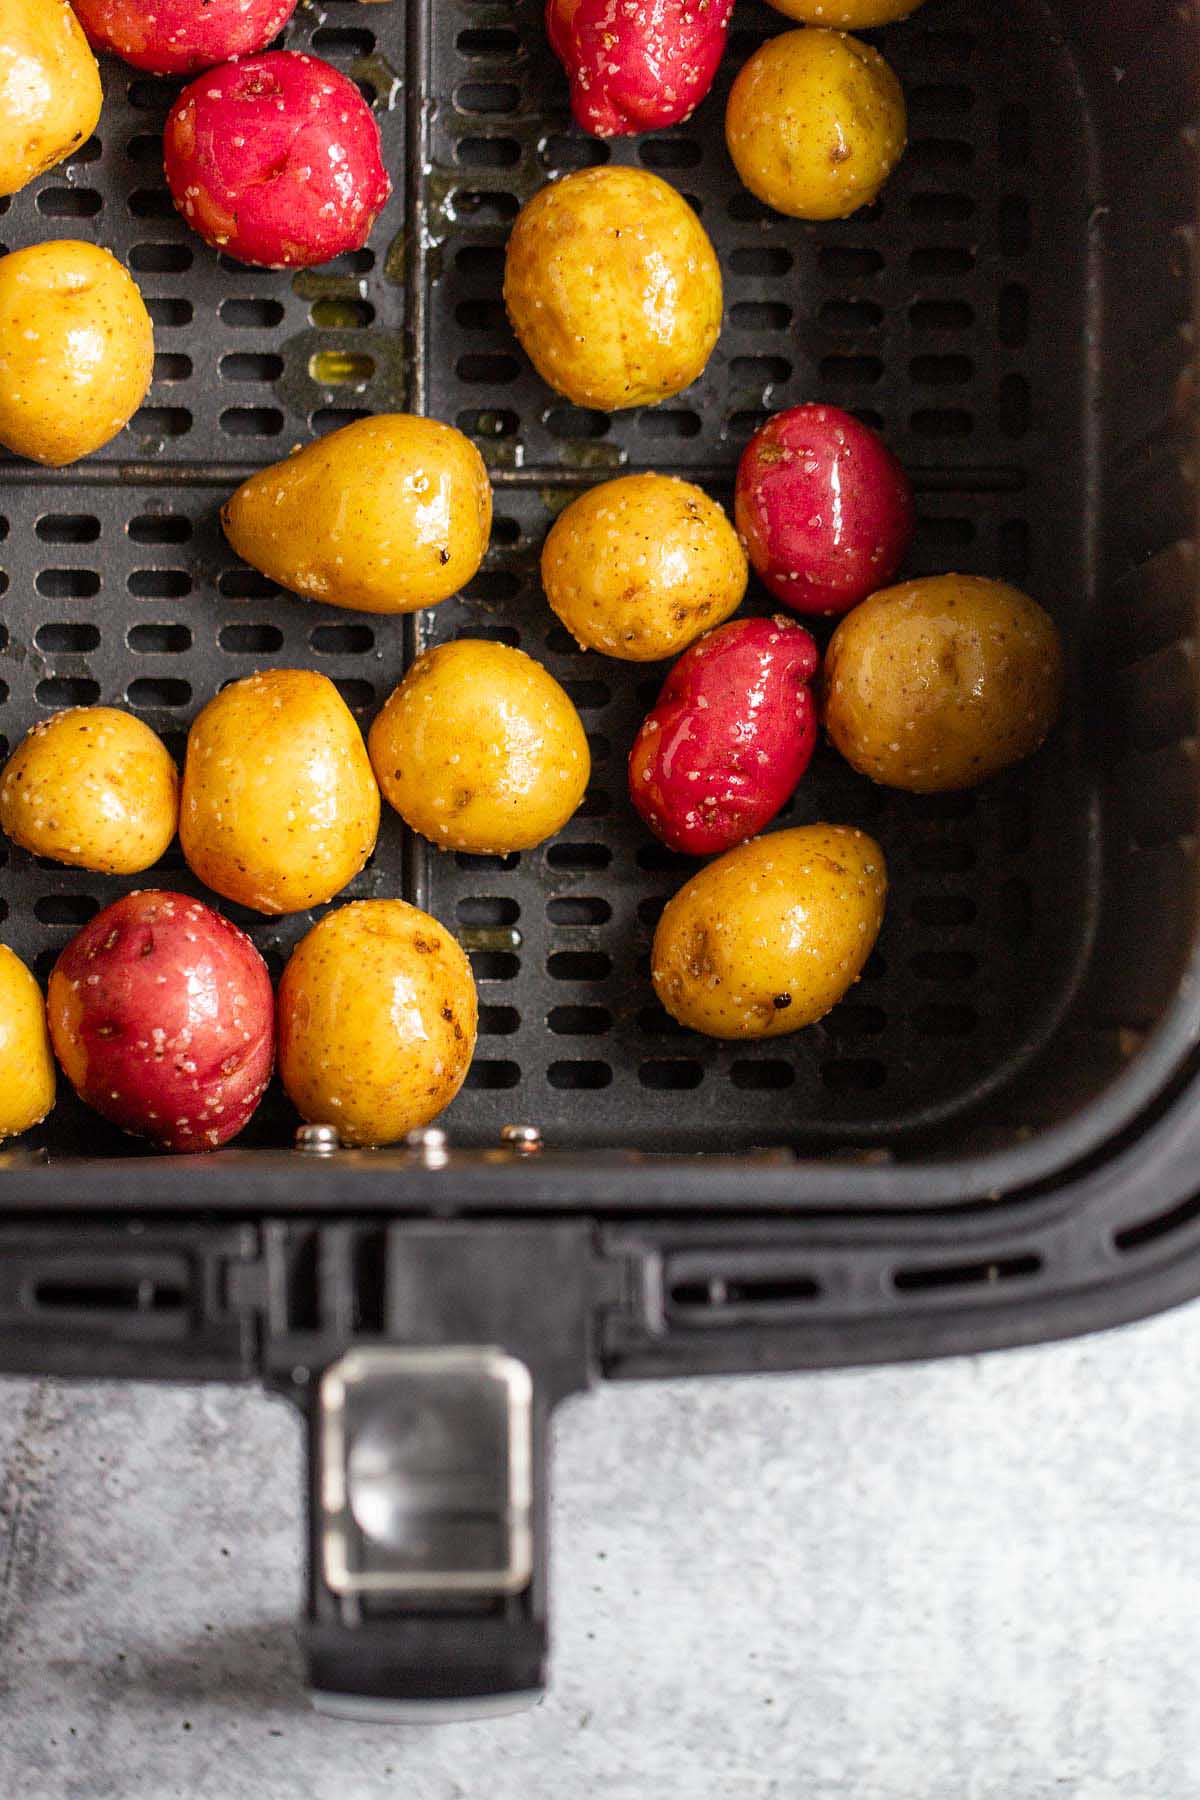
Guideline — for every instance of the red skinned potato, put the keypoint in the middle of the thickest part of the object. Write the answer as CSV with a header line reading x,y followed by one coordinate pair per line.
x,y
162,1017
177,37
276,160
823,507
637,65
730,735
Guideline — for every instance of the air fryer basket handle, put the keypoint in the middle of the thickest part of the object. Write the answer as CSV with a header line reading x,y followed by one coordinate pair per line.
x,y
427,1471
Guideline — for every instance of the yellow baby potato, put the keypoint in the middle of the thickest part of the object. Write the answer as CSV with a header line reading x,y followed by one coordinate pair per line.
x,y
280,808
49,88
27,1078
93,787
846,15
76,350
815,123
386,515
766,939
480,749
640,566
939,683
613,288
377,1020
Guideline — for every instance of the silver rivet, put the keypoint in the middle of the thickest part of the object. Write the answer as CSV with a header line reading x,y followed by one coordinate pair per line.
x,y
318,1140
431,1143
526,1140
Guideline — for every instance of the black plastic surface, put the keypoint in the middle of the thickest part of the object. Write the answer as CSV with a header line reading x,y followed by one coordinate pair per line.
x,y
1013,313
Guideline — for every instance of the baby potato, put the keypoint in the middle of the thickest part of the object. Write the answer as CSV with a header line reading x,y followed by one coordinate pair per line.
x,y
941,682
377,1019
76,350
49,88
386,515
815,123
27,1080
846,15
480,749
613,288
92,787
640,566
280,808
766,939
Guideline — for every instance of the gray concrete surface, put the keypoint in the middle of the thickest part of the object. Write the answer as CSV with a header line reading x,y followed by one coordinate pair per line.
x,y
973,1581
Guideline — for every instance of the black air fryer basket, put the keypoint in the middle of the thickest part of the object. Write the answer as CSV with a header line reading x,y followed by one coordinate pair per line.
x,y
992,1140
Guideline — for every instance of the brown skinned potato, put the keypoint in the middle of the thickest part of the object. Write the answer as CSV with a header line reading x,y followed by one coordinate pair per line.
x,y
766,939
939,683
377,1020
93,787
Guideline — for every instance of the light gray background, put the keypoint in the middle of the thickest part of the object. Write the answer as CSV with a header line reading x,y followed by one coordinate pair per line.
x,y
977,1580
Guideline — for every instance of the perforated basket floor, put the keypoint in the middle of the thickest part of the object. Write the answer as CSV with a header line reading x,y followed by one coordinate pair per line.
x,y
928,314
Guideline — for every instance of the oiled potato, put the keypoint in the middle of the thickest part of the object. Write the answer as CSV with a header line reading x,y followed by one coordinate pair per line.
x,y
386,515
280,808
640,566
480,749
941,682
76,350
377,1018
770,936
846,15
93,787
613,288
815,123
26,1060
49,88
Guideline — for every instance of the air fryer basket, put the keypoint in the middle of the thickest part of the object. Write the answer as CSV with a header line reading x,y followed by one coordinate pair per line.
x,y
992,1138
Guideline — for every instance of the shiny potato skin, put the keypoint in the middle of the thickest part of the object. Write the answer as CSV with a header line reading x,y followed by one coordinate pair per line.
x,y
815,123
613,288
93,787
480,749
177,37
640,566
386,515
766,939
50,94
27,1078
279,808
941,682
639,66
377,1021
76,350
846,15
162,1017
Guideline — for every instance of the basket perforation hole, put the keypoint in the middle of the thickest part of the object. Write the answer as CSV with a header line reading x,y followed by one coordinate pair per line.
x,y
1014,910
475,864
65,909
342,640
577,422
768,1075
941,262
579,1021
488,909
488,422
246,584
159,584
851,315
250,312
169,311
159,639
849,262
494,1073
498,1021
481,315
252,421
847,372
562,154
487,152
482,206
482,97
172,365
338,40
493,586
578,909
62,639
670,152
491,634
763,259
854,1020
944,965
64,690
853,1074
578,856
357,694
67,584
571,1073
161,259
341,315
1014,406
578,965
160,528
151,203
1013,317
943,422
761,315
941,371
69,203
1014,135
1015,225
259,639
250,365
676,422
487,366
1014,548
68,528
149,691
494,965
941,315
671,1074
162,421
945,1020
587,695
760,371
145,147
